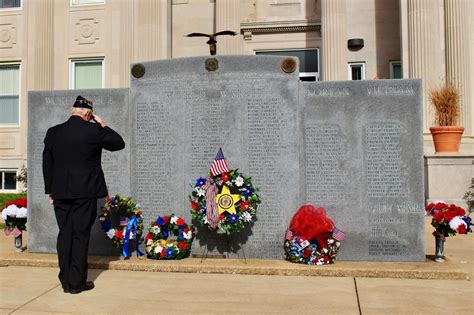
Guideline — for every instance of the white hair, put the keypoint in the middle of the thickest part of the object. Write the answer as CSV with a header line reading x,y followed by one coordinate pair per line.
x,y
80,111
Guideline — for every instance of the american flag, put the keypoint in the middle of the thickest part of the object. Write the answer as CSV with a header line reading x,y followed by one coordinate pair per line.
x,y
16,232
124,221
338,235
219,165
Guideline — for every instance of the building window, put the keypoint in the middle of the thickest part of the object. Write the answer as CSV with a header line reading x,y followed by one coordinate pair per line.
x,y
87,74
9,94
8,4
356,71
396,70
309,61
8,180
85,2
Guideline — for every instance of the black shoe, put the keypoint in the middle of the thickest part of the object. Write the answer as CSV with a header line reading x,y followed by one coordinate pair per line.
x,y
66,289
89,285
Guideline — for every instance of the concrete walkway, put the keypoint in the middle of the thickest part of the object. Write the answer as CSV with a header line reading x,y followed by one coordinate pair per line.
x,y
36,290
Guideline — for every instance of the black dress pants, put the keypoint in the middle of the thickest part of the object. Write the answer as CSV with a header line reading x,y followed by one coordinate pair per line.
x,y
75,218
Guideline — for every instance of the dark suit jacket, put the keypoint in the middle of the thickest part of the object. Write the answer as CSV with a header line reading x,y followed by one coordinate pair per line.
x,y
72,159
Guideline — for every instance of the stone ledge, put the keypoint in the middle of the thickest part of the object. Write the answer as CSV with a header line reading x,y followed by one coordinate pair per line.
x,y
450,270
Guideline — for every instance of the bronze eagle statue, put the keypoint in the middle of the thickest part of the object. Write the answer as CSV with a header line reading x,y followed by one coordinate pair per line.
x,y
212,39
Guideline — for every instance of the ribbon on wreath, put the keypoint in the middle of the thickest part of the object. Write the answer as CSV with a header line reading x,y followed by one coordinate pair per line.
x,y
131,225
211,205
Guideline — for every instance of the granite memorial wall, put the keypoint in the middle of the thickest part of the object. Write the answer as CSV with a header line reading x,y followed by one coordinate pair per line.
x,y
363,164
49,108
248,106
352,147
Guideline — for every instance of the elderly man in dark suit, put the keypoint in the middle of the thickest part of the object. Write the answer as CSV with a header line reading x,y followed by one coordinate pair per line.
x,y
74,180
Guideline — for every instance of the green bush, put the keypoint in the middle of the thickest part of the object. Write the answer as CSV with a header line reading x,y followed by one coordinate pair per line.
x,y
4,198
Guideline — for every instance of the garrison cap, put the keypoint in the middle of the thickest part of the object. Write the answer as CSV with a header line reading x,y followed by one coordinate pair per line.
x,y
81,102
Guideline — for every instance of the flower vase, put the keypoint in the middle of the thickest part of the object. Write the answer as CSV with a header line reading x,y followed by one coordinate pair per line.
x,y
19,243
439,249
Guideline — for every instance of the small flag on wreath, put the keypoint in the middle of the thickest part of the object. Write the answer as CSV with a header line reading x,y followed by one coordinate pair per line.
x,y
219,165
338,234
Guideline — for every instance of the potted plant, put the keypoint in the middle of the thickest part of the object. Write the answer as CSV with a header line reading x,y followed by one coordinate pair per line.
x,y
446,134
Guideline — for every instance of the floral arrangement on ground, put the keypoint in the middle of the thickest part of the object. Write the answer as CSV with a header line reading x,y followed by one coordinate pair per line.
x,y
158,244
448,220
15,215
226,202
312,238
130,225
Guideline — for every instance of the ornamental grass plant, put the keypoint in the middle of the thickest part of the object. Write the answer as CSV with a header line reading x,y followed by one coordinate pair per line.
x,y
445,101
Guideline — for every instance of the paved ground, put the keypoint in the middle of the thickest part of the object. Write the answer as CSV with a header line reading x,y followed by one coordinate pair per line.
x,y
35,290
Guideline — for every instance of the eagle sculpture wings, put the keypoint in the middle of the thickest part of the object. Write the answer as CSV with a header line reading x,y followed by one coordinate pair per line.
x,y
212,39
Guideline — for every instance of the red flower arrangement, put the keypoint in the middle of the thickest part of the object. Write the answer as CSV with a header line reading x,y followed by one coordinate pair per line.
x,y
159,245
312,237
448,220
20,203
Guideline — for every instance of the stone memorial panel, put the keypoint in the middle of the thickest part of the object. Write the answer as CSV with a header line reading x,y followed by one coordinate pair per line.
x,y
364,164
354,148
49,108
184,113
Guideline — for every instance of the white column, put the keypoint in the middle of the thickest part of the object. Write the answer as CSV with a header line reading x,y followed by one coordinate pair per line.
x,y
457,55
425,49
228,18
151,30
334,40
41,44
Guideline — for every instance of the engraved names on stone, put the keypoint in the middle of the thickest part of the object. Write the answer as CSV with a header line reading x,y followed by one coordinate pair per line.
x,y
265,133
383,159
325,151
154,148
360,135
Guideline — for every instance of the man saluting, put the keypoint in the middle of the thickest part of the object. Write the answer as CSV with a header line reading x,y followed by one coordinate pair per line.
x,y
74,179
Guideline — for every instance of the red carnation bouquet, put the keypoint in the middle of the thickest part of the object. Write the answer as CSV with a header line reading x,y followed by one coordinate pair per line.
x,y
448,220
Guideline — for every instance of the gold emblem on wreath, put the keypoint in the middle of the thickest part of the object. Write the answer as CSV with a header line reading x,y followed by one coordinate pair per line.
x,y
226,201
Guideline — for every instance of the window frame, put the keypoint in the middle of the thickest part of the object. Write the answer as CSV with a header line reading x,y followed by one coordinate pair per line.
x,y
72,4
392,63
349,70
13,8
301,74
2,178
14,63
72,69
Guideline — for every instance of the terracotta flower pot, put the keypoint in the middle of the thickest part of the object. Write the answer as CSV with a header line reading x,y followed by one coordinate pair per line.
x,y
446,138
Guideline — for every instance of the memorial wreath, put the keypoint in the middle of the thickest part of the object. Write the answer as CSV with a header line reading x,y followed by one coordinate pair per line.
x,y
312,238
158,246
225,200
130,225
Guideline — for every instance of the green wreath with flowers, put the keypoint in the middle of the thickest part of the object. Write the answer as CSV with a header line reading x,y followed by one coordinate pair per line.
x,y
128,211
225,203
